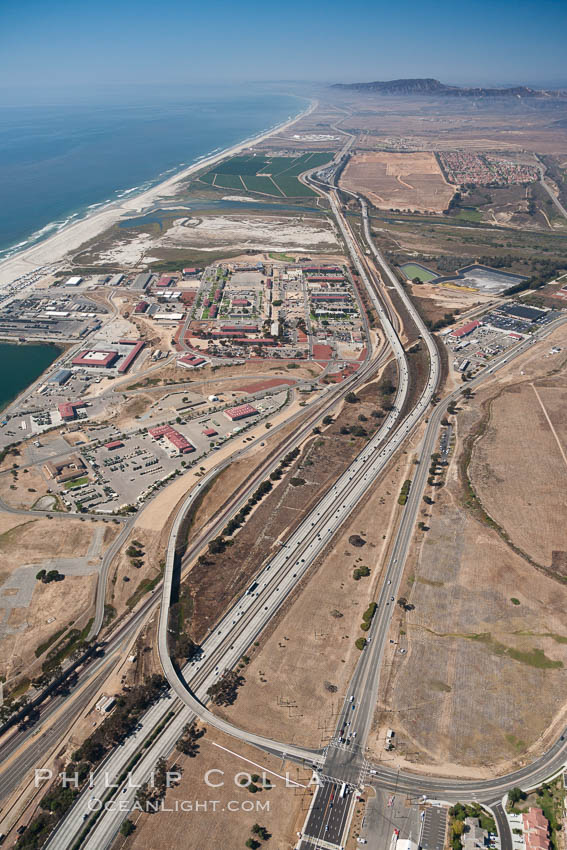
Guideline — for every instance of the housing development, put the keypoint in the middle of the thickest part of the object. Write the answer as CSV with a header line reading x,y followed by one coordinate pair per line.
x,y
283,550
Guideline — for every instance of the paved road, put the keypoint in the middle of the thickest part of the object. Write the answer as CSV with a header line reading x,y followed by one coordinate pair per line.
x,y
248,617
554,198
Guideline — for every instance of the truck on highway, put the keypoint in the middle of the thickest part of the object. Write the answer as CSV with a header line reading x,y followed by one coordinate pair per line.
x,y
252,588
343,790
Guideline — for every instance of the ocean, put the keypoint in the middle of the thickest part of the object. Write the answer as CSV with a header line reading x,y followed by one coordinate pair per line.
x,y
58,163
21,366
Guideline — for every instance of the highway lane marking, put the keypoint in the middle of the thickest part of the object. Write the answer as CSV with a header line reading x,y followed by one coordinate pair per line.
x,y
260,767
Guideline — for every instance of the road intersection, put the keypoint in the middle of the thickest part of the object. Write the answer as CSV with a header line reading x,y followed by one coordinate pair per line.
x,y
341,766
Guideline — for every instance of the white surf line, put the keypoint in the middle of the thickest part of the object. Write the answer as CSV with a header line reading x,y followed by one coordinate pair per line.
x,y
260,767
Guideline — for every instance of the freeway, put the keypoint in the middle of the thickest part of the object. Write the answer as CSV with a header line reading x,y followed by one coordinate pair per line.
x,y
542,169
248,616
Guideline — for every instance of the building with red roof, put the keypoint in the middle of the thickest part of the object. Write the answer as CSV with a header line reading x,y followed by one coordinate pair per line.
x,y
210,432
165,280
115,444
240,302
241,412
191,361
101,359
127,362
465,330
176,439
242,329
536,830
68,410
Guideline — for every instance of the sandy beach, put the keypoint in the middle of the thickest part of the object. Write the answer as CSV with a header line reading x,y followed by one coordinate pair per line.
x,y
70,238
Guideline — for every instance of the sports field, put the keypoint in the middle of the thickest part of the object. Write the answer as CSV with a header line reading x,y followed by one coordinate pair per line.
x,y
276,176
413,270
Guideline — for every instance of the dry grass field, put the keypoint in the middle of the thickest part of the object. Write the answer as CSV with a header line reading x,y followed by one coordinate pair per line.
x,y
483,685
297,679
408,181
227,813
519,469
23,487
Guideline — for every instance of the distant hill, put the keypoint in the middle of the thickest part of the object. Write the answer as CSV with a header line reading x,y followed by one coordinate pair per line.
x,y
435,87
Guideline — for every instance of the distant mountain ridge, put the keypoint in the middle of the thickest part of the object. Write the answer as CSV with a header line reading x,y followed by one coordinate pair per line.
x,y
428,85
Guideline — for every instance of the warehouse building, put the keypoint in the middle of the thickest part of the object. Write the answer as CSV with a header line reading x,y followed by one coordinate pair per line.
x,y
465,330
241,412
61,377
177,440
101,359
141,281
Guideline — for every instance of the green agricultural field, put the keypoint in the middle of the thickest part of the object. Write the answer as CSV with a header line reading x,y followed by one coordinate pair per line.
x,y
292,188
413,270
228,181
241,165
282,171
264,185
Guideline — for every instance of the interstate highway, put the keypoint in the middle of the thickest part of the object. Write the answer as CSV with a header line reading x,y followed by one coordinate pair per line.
x,y
249,615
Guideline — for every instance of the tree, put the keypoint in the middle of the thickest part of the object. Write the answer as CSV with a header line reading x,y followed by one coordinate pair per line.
x,y
351,398
515,795
127,828
253,844
261,832
187,743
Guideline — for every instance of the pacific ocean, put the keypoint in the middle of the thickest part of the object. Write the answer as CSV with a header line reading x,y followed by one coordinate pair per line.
x,y
60,162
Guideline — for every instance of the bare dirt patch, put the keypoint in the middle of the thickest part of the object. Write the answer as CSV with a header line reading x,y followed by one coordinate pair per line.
x,y
409,181
32,612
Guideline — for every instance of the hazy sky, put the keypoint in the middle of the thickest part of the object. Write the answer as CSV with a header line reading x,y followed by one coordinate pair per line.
x,y
54,43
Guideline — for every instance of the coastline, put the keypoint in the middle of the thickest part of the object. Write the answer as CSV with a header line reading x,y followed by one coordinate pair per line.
x,y
54,248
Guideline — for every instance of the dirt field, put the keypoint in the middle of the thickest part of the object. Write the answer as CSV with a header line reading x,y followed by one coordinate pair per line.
x,y
434,301
228,821
408,181
483,685
30,611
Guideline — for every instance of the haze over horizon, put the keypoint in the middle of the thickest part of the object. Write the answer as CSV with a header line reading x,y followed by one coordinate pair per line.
x,y
48,50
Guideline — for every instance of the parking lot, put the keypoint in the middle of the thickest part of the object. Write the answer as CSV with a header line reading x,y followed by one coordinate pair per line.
x,y
125,468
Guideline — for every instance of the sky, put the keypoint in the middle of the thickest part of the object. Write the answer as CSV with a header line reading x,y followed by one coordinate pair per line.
x,y
76,45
